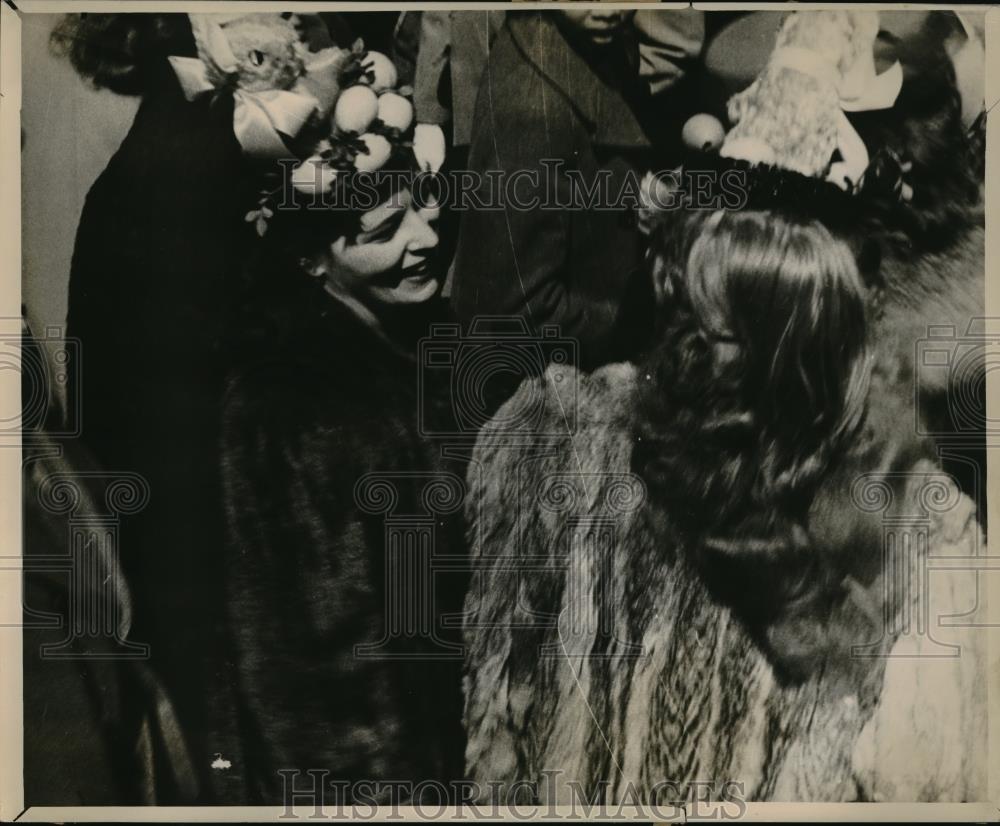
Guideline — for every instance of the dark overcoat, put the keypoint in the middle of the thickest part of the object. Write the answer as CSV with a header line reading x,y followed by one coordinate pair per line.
x,y
552,123
158,249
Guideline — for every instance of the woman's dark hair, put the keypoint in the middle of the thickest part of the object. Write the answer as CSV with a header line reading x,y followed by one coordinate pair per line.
x,y
925,129
122,52
758,384
277,290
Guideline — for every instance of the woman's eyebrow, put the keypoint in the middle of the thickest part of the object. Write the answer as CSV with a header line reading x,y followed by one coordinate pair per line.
x,y
383,211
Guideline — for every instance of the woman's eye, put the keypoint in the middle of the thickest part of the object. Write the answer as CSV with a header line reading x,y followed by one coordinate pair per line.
x,y
377,235
257,57
383,232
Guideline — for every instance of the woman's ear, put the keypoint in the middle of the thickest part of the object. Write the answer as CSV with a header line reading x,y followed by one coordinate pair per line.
x,y
314,265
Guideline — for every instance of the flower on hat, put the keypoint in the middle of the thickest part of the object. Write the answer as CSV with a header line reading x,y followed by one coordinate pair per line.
x,y
793,115
359,128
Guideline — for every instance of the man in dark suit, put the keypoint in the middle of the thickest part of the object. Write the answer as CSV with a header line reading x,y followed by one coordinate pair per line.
x,y
562,118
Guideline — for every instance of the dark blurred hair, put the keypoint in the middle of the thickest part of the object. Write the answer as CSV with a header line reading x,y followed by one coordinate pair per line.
x,y
276,294
925,128
122,52
757,385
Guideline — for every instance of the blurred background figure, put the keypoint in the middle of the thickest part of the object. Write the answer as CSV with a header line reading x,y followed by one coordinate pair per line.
x,y
453,51
101,730
160,240
562,100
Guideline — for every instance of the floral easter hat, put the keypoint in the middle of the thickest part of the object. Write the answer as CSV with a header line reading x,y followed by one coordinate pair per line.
x,y
792,146
794,115
318,113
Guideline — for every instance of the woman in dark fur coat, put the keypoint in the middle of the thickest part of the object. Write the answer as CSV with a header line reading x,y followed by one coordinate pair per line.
x,y
689,582
159,253
338,504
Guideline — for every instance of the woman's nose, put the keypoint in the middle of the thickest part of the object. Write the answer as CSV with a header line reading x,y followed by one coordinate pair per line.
x,y
423,236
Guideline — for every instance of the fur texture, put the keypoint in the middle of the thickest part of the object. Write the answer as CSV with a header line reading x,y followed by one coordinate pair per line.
x,y
595,649
319,408
945,287
266,47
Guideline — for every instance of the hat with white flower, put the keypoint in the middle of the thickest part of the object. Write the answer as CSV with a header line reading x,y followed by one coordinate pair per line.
x,y
793,116
314,115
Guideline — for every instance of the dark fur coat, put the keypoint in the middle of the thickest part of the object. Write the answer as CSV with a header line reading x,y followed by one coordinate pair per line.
x,y
596,649
928,322
921,289
322,451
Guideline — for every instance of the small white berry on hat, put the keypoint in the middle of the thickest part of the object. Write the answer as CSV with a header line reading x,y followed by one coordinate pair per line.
x,y
380,71
379,150
356,108
395,111
703,133
313,176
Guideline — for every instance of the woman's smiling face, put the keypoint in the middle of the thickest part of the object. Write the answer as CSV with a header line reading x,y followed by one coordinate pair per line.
x,y
388,261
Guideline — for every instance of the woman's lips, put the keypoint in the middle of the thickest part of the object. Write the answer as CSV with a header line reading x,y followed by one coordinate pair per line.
x,y
418,272
607,25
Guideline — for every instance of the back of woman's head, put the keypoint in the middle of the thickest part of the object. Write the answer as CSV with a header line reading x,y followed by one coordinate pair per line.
x,y
756,387
772,311
785,306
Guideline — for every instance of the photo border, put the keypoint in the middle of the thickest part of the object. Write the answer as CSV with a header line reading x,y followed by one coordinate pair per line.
x,y
11,685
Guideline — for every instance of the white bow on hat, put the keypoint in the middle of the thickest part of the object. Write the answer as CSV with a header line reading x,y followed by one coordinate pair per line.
x,y
259,118
859,90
